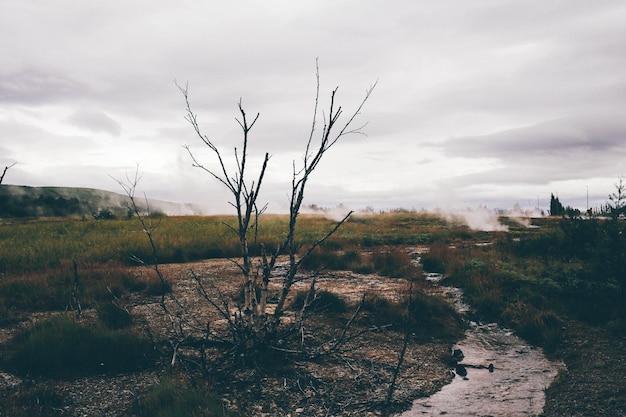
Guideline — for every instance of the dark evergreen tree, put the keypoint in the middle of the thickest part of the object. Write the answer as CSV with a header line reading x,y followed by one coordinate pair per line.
x,y
617,200
556,208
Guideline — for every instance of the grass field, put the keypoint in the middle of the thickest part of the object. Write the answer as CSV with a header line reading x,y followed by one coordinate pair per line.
x,y
541,271
530,279
31,246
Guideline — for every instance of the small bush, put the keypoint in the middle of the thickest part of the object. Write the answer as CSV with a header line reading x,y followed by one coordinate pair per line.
x,y
34,295
171,399
324,301
53,290
114,317
391,262
436,258
536,326
158,287
133,283
30,401
433,317
62,348
382,312
326,257
430,316
395,263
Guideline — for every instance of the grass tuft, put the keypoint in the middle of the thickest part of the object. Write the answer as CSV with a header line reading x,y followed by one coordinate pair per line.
x,y
172,399
62,348
324,301
33,401
429,317
114,317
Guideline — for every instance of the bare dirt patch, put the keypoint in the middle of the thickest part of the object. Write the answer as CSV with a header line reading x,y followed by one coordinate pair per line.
x,y
350,382
594,383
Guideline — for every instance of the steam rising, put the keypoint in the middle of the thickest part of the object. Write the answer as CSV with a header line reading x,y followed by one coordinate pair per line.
x,y
480,218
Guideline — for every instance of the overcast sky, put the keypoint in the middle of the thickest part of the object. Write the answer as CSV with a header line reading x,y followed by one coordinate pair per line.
x,y
487,102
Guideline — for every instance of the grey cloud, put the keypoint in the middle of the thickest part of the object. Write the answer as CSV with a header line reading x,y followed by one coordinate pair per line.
x,y
557,150
96,121
38,86
537,61
563,137
446,69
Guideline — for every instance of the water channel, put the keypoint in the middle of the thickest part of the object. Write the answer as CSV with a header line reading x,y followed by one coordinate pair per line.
x,y
512,386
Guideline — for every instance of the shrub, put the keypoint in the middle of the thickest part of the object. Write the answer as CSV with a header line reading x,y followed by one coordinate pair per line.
x,y
436,258
430,317
34,295
53,290
327,257
114,317
30,401
171,399
383,312
158,287
433,317
60,347
537,326
391,262
324,301
133,283
395,263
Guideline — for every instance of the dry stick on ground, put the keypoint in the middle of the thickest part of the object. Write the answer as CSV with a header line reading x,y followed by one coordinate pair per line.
x,y
407,335
75,302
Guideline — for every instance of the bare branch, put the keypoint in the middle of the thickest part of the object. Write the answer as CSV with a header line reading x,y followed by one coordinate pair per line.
x,y
251,326
407,335
6,168
340,339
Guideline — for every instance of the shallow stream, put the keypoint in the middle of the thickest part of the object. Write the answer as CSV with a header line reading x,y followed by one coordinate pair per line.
x,y
514,386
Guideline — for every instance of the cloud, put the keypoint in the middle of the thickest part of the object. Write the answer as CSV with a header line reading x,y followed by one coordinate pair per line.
x,y
597,133
96,121
473,100
38,86
569,148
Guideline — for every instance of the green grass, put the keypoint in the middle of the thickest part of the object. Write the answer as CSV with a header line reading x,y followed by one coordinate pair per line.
x,y
114,317
323,302
571,268
62,348
52,290
36,246
533,279
173,399
426,317
41,245
394,262
33,401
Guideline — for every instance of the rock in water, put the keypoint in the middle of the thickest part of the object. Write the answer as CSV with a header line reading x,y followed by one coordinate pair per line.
x,y
461,371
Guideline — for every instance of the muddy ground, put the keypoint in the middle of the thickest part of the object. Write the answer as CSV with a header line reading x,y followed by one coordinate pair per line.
x,y
352,382
594,383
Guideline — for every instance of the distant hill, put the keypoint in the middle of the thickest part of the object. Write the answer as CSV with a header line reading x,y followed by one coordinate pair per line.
x,y
18,201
